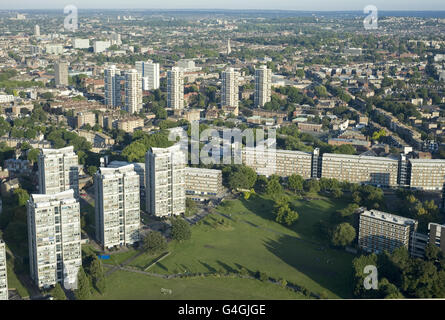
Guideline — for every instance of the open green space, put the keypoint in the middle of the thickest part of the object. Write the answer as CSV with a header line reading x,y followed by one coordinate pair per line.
x,y
243,234
124,285
15,283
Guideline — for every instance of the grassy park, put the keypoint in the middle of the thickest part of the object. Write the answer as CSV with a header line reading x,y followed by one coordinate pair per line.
x,y
124,285
242,234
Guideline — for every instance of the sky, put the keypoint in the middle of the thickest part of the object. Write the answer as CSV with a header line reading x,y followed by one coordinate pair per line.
x,y
303,5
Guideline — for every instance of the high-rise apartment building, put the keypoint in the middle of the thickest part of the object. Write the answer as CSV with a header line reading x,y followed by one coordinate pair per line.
x,y
133,92
101,46
437,235
139,168
230,88
58,171
117,206
112,86
54,236
81,43
37,30
3,272
378,171
263,86
203,182
61,73
165,181
54,49
149,72
175,88
427,174
381,231
280,162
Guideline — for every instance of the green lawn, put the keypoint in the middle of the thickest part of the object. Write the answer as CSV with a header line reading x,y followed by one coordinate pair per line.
x,y
15,283
124,285
250,238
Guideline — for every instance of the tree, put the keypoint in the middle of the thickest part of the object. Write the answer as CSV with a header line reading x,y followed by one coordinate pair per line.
x,y
311,186
33,155
433,253
343,235
274,187
154,243
261,184
295,183
83,290
57,292
97,274
180,230
92,170
22,196
285,215
242,178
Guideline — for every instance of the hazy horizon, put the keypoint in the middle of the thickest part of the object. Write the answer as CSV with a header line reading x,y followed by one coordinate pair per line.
x,y
314,5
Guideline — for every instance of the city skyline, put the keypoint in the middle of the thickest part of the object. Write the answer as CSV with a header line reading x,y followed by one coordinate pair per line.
x,y
316,5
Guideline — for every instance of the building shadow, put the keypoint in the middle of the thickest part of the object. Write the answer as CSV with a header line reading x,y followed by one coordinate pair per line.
x,y
318,267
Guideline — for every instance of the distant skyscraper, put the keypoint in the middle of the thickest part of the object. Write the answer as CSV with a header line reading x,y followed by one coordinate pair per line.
x,y
230,88
61,73
263,86
175,88
54,239
117,206
37,30
165,181
229,47
133,92
58,171
112,86
3,272
149,72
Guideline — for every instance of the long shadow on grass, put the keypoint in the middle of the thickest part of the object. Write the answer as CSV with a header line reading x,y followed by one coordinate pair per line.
x,y
260,206
160,265
287,248
226,266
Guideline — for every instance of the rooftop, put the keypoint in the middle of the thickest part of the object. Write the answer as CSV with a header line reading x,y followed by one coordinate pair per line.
x,y
384,216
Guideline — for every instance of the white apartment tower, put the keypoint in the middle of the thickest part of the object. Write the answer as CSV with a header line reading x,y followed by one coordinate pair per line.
x,y
61,73
149,72
175,88
37,30
58,171
117,206
133,92
165,181
112,86
230,88
263,86
54,236
3,272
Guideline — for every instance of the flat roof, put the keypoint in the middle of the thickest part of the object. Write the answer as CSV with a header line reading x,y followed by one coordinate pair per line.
x,y
388,217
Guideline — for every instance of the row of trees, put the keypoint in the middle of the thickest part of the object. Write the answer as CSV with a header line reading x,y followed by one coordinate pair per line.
x,y
401,275
155,243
